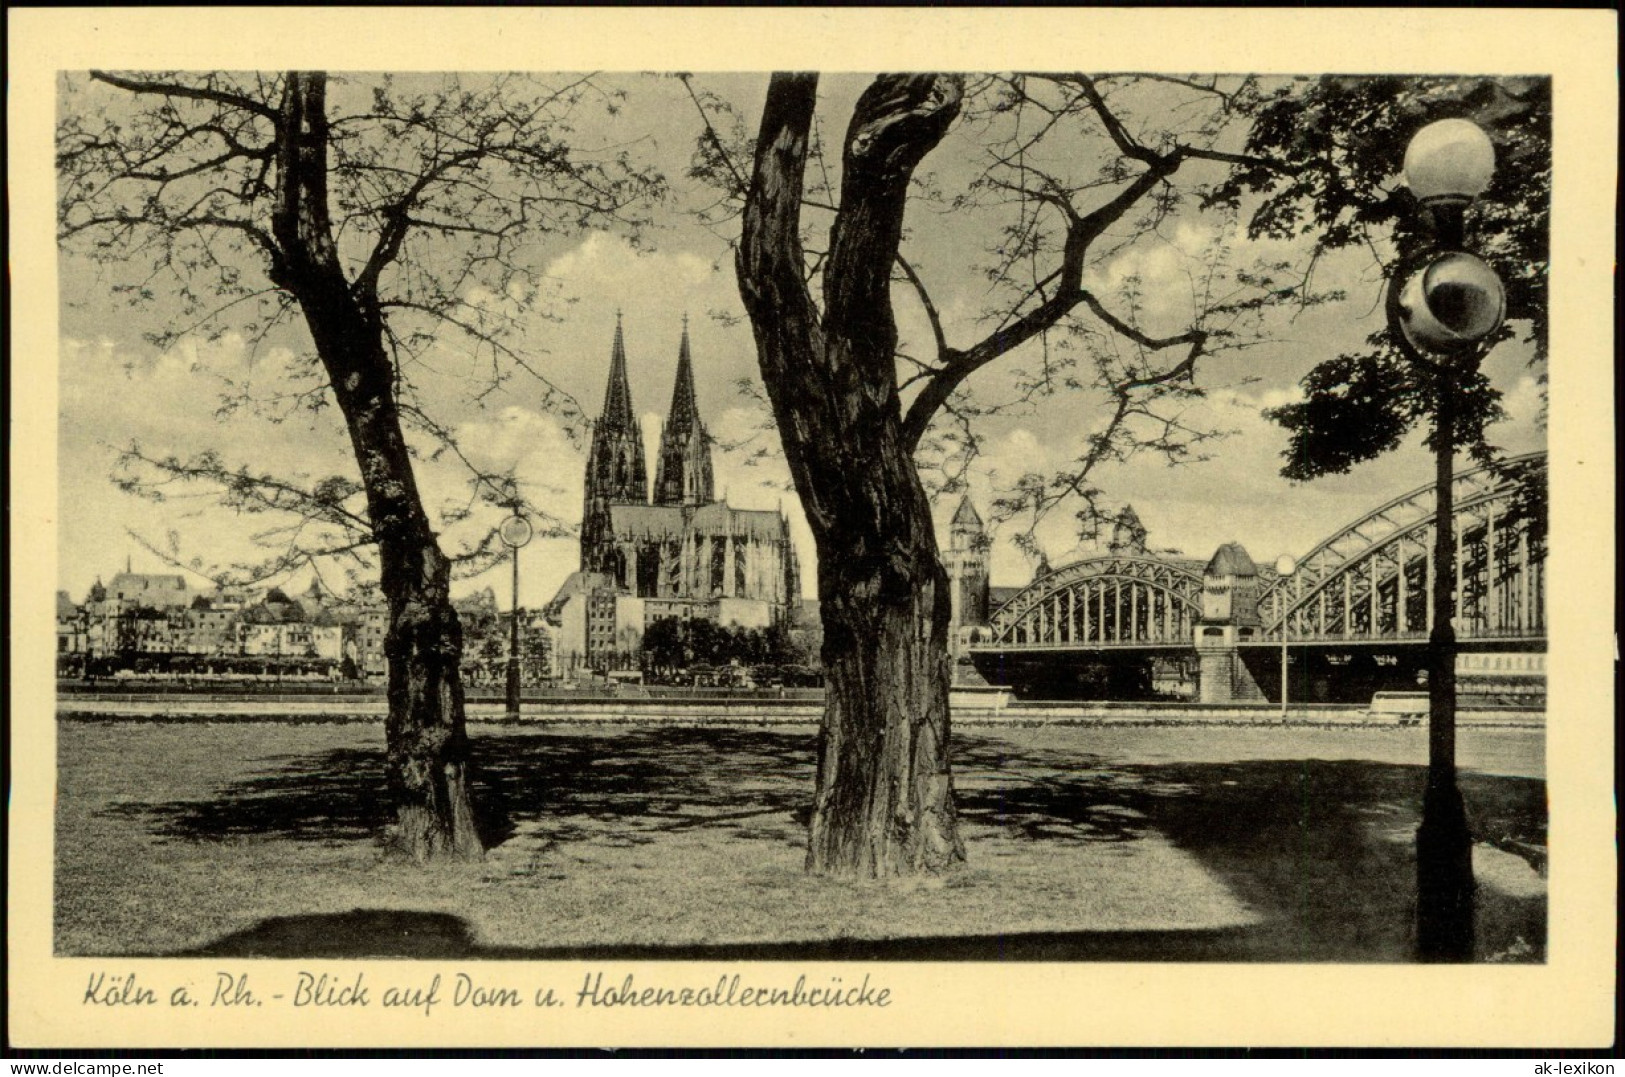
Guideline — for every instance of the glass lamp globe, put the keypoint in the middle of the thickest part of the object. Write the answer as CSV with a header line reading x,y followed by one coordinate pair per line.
x,y
1451,161
1456,300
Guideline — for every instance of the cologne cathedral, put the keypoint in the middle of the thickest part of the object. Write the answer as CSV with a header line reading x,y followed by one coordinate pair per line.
x,y
674,550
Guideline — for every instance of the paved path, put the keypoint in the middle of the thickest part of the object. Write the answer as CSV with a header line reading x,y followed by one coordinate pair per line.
x,y
970,710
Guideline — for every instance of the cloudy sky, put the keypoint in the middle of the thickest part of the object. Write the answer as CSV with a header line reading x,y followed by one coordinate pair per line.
x,y
117,389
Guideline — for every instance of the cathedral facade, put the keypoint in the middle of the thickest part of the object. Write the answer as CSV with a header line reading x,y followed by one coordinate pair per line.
x,y
670,550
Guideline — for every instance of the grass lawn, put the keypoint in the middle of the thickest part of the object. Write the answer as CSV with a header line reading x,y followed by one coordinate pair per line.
x,y
1084,843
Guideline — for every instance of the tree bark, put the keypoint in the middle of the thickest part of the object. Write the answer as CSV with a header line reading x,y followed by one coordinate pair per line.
x,y
427,741
884,802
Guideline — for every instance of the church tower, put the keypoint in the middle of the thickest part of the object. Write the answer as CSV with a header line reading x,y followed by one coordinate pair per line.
x,y
967,565
615,469
683,474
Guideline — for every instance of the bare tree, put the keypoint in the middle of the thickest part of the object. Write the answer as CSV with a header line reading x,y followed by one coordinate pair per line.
x,y
384,216
1072,180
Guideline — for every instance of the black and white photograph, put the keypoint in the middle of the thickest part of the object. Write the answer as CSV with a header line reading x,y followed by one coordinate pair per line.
x,y
645,542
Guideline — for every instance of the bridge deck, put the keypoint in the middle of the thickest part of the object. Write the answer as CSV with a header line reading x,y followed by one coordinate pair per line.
x,y
1518,640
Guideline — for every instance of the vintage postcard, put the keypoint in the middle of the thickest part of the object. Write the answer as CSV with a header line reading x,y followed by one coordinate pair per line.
x,y
811,529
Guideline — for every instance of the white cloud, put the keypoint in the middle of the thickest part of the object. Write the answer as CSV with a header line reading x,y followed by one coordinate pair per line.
x,y
1522,430
113,394
1014,455
736,425
538,450
606,264
1276,397
1165,272
549,467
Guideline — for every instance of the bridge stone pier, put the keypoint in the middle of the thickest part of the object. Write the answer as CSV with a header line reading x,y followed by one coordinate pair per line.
x,y
1230,590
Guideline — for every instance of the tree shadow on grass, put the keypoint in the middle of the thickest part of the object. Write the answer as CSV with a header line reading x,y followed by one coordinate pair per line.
x,y
1325,849
617,788
1321,851
627,786
1037,795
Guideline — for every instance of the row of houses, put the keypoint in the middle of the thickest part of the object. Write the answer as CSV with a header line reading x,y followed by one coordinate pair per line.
x,y
155,617
156,621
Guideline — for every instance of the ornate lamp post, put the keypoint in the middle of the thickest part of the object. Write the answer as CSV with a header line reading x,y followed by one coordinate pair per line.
x,y
1285,566
1442,304
514,532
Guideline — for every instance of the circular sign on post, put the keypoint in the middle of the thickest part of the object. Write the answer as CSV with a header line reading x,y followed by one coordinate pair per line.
x,y
515,532
1285,565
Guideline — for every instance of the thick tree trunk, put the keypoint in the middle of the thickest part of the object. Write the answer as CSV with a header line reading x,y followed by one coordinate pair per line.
x,y
426,739
884,802
427,742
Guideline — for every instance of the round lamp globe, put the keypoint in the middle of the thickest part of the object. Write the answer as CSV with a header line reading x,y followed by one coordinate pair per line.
x,y
1449,161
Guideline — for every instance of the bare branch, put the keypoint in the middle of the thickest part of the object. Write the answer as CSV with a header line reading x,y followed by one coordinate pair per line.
x,y
1060,291
1196,338
740,185
1108,119
925,301
195,93
243,489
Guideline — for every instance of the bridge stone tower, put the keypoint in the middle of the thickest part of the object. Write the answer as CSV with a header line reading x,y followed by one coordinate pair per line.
x,y
1229,617
967,565
966,561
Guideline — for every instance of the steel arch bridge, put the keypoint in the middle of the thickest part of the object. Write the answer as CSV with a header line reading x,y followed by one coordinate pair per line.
x,y
1367,583
1372,579
1104,602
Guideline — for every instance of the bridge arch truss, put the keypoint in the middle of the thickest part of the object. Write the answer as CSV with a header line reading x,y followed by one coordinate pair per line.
x,y
1103,602
1371,580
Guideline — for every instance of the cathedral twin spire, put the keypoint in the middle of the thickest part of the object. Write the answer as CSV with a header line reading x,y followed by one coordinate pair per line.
x,y
672,540
618,394
616,472
683,475
615,468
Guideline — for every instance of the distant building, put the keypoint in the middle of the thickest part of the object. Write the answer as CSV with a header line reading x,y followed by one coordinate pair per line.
x,y
676,552
290,639
1230,587
364,620
155,623
71,625
213,625
596,624
999,594
157,591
